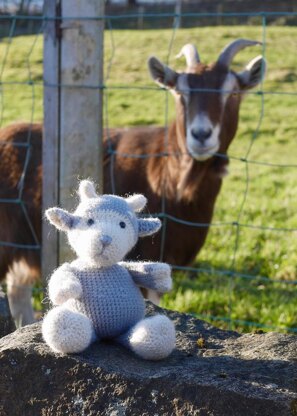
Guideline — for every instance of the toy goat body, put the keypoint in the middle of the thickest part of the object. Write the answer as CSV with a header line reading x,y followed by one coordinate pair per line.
x,y
97,295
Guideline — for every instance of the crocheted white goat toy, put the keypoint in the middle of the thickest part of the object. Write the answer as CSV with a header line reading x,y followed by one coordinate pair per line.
x,y
97,296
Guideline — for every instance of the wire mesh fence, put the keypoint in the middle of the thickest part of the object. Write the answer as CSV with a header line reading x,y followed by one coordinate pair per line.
x,y
245,275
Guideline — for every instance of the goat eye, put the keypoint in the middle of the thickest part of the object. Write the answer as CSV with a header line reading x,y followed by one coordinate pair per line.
x,y
122,224
90,221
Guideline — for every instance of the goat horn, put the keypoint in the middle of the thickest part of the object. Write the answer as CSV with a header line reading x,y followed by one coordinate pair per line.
x,y
189,51
233,48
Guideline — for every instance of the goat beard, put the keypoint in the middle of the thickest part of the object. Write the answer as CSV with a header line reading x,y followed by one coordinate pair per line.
x,y
188,179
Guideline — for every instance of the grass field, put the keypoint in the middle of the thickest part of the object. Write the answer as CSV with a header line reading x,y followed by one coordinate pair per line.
x,y
257,194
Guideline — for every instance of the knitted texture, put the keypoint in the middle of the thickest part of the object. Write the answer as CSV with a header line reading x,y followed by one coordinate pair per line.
x,y
110,299
97,295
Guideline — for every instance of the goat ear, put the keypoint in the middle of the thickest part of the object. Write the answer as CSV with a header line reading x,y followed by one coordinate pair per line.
x,y
162,74
137,202
253,74
60,218
148,226
86,190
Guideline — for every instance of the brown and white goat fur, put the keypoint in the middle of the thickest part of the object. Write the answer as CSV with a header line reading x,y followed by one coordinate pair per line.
x,y
185,181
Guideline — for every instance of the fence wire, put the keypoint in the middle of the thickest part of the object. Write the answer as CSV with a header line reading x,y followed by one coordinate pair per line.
x,y
236,225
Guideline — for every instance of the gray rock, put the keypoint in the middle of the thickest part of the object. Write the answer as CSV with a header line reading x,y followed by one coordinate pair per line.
x,y
6,322
212,372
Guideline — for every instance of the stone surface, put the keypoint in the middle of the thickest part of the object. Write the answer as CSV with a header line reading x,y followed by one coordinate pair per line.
x,y
6,321
212,372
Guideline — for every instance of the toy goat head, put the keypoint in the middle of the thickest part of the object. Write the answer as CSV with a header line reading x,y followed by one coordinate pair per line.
x,y
208,96
103,229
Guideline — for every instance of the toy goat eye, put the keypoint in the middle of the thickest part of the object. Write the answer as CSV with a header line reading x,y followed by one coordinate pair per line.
x,y
90,221
122,224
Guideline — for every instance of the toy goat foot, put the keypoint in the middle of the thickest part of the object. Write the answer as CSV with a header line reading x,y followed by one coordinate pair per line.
x,y
67,331
152,338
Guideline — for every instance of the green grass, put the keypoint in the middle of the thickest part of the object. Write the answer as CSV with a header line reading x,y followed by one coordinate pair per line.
x,y
271,197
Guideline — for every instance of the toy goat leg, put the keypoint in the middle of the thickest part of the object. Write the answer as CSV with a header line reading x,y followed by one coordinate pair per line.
x,y
97,296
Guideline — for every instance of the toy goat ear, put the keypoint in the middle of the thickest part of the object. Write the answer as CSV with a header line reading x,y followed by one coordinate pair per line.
x,y
60,218
137,202
86,190
148,226
253,73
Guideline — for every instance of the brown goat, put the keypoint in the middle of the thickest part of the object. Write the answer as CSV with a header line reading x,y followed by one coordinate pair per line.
x,y
180,170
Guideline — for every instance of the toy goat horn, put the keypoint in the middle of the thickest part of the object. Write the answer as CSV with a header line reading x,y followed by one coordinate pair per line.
x,y
87,190
137,202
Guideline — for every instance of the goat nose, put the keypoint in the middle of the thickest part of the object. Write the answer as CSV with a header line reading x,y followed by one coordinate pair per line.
x,y
105,240
201,135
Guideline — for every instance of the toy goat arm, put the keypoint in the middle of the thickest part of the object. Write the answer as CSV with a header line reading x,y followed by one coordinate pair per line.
x,y
63,285
150,275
